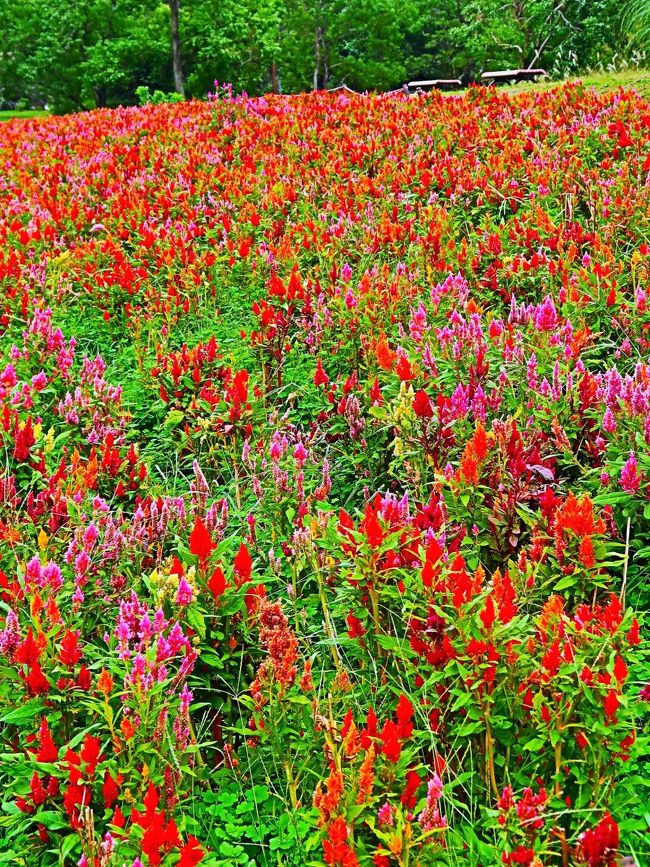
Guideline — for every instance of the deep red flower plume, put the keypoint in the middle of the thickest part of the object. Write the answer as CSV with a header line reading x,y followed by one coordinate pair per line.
x,y
201,544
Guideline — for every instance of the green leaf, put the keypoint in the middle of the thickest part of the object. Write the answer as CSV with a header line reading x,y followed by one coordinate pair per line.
x,y
25,712
534,744
52,820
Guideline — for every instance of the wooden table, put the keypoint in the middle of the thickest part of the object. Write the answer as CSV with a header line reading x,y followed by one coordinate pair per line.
x,y
501,76
435,84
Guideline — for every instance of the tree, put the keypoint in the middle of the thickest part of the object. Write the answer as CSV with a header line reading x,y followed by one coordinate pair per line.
x,y
177,65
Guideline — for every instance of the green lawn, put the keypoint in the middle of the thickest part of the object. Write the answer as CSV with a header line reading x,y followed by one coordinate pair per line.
x,y
30,112
636,79
639,79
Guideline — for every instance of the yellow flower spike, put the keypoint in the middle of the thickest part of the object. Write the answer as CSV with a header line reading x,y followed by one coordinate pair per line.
x,y
49,441
43,539
38,431
61,258
35,608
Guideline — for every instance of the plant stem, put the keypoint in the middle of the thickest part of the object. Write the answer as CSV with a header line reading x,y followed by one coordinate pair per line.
x,y
489,755
329,628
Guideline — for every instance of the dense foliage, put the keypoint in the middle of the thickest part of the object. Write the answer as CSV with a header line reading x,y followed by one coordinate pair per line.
x,y
325,483
98,52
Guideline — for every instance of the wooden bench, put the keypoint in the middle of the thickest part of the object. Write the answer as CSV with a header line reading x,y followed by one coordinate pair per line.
x,y
434,84
344,88
502,76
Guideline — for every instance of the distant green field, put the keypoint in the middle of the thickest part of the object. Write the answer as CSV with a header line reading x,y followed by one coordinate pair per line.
x,y
30,112
638,79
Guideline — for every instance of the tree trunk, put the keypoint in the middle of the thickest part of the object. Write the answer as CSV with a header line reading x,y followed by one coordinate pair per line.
x,y
317,57
179,85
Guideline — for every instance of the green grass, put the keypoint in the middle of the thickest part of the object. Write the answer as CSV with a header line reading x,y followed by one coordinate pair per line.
x,y
636,79
30,112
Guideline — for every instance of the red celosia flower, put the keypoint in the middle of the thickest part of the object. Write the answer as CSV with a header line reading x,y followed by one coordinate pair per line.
x,y
243,565
70,653
320,377
159,837
90,754
586,553
47,751
370,731
552,660
612,613
408,796
391,746
327,802
372,528
611,703
35,680
37,790
84,678
634,633
191,853
75,797
404,369
217,583
110,790
23,440
620,669
599,845
201,544
404,713
422,406
488,615
335,848
504,593
355,627
522,855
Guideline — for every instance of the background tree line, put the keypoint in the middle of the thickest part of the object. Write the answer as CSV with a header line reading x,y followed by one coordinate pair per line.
x,y
73,55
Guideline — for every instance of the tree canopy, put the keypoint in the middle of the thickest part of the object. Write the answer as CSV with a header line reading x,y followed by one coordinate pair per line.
x,y
90,53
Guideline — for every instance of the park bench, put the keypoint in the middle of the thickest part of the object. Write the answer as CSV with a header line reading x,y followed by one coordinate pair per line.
x,y
502,76
344,88
434,84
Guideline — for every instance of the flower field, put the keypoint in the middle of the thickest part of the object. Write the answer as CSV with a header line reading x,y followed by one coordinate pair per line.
x,y
325,482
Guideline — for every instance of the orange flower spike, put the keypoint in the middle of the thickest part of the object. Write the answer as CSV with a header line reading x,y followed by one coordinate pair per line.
x,y
35,608
351,742
481,442
105,683
366,776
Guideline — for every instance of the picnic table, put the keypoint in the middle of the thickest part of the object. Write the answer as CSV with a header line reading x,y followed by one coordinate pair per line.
x,y
434,84
500,76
